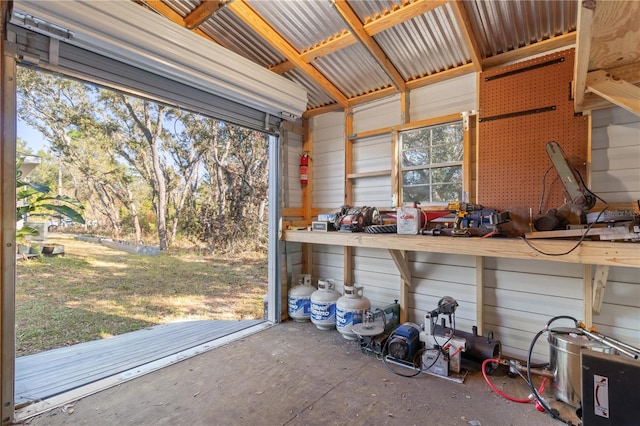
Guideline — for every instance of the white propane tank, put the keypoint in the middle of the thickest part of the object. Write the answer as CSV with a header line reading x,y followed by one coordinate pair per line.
x,y
300,298
350,310
323,305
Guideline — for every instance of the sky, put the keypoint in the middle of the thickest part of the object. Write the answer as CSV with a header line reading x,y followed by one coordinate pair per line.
x,y
35,140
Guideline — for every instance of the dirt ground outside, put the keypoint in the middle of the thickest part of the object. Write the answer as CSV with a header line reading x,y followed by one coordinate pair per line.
x,y
94,292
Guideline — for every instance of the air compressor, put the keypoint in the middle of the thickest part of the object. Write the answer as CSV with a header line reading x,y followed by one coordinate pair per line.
x,y
438,349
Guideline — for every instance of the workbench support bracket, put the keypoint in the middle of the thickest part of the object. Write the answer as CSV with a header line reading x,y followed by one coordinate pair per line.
x,y
599,284
400,259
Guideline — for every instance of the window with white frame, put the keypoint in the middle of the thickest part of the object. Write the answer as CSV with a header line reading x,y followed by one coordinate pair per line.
x,y
431,163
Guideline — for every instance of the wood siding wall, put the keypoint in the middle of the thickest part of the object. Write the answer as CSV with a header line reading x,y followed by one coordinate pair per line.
x,y
519,297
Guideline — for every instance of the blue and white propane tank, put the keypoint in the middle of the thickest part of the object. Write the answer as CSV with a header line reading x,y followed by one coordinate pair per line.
x,y
350,310
323,304
300,298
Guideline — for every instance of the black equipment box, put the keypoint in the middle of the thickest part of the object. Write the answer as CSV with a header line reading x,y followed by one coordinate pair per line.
x,y
609,389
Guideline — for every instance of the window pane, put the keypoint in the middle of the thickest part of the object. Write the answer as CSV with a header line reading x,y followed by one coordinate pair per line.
x,y
451,174
415,157
446,193
447,153
438,151
415,193
415,139
415,177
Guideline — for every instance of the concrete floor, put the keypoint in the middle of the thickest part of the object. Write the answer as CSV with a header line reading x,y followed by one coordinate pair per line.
x,y
295,374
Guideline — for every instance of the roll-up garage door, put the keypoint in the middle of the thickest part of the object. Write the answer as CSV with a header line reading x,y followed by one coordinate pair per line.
x,y
126,47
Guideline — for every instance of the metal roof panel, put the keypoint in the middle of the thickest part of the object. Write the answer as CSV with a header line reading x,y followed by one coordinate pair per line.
x,y
353,71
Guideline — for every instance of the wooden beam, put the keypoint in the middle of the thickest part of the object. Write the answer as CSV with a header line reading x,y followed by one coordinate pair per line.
x,y
331,45
322,110
372,96
260,26
371,133
348,157
354,23
616,91
202,12
400,14
166,11
590,252
399,258
540,47
7,218
307,190
599,284
467,33
282,67
583,50
587,295
395,169
441,76
369,174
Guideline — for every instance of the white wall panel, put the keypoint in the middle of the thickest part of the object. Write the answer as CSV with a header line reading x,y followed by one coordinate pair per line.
x,y
377,114
292,149
328,262
372,191
374,270
620,313
615,155
448,97
328,160
372,154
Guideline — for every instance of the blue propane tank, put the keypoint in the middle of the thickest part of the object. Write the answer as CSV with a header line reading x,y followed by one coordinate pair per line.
x,y
300,299
350,310
323,305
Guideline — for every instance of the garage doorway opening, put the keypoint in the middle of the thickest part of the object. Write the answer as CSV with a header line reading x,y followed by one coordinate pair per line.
x,y
149,175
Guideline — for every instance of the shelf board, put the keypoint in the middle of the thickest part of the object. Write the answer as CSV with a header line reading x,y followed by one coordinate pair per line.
x,y
588,252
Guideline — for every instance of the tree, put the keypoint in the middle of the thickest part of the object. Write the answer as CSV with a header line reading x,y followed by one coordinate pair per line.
x,y
33,197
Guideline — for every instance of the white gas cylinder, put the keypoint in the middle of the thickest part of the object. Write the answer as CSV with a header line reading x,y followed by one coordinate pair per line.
x,y
350,310
323,305
300,299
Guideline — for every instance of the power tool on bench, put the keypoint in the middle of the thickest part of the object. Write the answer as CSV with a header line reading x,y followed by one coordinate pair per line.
x,y
581,199
462,210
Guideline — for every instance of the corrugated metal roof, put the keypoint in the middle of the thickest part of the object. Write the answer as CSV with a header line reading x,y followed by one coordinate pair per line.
x,y
353,71
426,44
417,40
302,23
501,26
317,96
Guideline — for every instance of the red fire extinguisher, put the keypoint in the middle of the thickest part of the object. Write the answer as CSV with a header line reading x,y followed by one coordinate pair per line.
x,y
304,168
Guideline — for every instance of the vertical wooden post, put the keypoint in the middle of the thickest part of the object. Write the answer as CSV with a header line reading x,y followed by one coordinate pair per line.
x,y
348,190
395,168
587,294
7,218
307,192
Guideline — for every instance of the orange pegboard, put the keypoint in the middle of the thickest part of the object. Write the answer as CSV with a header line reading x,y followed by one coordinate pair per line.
x,y
522,107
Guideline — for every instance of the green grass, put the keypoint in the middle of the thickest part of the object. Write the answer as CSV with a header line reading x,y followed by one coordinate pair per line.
x,y
95,292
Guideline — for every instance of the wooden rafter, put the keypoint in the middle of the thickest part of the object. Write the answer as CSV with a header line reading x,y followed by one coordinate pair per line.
x,y
372,26
615,90
467,33
354,23
203,12
583,47
540,47
400,14
166,11
255,22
